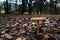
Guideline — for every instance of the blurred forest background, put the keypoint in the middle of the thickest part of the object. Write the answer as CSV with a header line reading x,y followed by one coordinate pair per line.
x,y
31,6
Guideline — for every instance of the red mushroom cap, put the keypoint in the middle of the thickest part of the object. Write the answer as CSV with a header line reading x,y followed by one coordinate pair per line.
x,y
38,18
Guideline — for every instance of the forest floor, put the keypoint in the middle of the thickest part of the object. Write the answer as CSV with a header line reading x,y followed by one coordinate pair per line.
x,y
34,15
10,28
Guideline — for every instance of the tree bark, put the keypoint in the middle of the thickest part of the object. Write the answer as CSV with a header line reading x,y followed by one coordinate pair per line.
x,y
23,6
55,7
30,6
7,7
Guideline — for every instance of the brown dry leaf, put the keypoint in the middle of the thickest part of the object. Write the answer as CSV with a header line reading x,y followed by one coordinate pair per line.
x,y
46,36
8,36
19,38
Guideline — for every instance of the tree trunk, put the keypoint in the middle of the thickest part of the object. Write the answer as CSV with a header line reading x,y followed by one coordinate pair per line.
x,y
30,6
23,6
37,6
6,7
55,7
0,10
41,5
